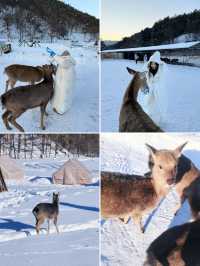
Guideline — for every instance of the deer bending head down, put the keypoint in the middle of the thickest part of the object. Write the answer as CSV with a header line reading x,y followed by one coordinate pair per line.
x,y
124,196
20,99
23,73
132,117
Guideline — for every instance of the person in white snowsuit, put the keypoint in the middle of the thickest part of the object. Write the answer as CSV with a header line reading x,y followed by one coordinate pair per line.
x,y
154,101
64,83
136,57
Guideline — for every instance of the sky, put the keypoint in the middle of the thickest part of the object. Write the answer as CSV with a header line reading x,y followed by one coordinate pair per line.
x,y
123,18
89,6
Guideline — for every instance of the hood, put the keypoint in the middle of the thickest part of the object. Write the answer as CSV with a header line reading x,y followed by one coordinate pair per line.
x,y
155,58
65,61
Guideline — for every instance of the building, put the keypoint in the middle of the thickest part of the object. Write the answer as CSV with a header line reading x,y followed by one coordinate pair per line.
x,y
179,53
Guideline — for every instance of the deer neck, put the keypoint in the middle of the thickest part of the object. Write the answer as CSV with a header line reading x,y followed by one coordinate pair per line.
x,y
131,92
159,189
55,203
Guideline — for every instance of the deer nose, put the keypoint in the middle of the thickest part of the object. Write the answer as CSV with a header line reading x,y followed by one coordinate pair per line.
x,y
173,173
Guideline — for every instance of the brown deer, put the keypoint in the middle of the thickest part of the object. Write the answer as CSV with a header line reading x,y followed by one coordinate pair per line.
x,y
124,196
132,117
49,211
23,73
186,180
19,99
179,246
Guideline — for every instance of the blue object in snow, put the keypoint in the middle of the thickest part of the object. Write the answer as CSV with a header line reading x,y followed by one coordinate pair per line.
x,y
50,52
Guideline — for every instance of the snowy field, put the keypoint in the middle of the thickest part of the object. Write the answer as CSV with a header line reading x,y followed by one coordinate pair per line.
x,y
124,244
183,100
84,114
78,241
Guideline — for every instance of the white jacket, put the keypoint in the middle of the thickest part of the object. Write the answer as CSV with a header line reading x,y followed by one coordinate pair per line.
x,y
154,103
64,83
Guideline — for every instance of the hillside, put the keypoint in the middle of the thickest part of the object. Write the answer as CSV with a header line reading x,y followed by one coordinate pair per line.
x,y
44,19
168,30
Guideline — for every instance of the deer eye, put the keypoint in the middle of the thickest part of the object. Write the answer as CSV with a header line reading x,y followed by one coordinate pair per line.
x,y
160,167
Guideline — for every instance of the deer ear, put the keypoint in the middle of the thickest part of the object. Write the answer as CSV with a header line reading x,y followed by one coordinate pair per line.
x,y
131,71
177,152
151,150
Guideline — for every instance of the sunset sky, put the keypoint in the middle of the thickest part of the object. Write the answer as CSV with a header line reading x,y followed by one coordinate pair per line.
x,y
122,18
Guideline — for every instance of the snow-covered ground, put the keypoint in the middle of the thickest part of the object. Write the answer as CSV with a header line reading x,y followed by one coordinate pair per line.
x,y
124,244
78,241
84,114
183,95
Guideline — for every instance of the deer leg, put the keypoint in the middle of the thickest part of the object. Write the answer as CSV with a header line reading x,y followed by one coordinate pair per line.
x,y
137,218
125,219
55,223
7,84
13,120
43,112
12,83
38,224
5,119
48,225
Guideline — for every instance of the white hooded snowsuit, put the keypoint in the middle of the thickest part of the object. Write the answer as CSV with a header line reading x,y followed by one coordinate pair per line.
x,y
154,102
64,83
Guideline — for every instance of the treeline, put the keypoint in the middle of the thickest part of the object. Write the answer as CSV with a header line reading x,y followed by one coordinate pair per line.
x,y
35,18
163,31
83,144
29,146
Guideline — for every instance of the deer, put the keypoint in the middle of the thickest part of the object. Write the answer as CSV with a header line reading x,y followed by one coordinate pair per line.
x,y
187,181
124,196
132,118
177,246
23,73
20,99
47,211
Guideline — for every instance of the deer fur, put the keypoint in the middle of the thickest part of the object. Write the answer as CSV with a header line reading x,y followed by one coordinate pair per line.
x,y
47,211
124,196
192,193
178,246
132,117
18,100
23,73
187,173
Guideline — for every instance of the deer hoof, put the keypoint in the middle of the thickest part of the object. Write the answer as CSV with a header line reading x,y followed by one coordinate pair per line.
x,y
9,128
